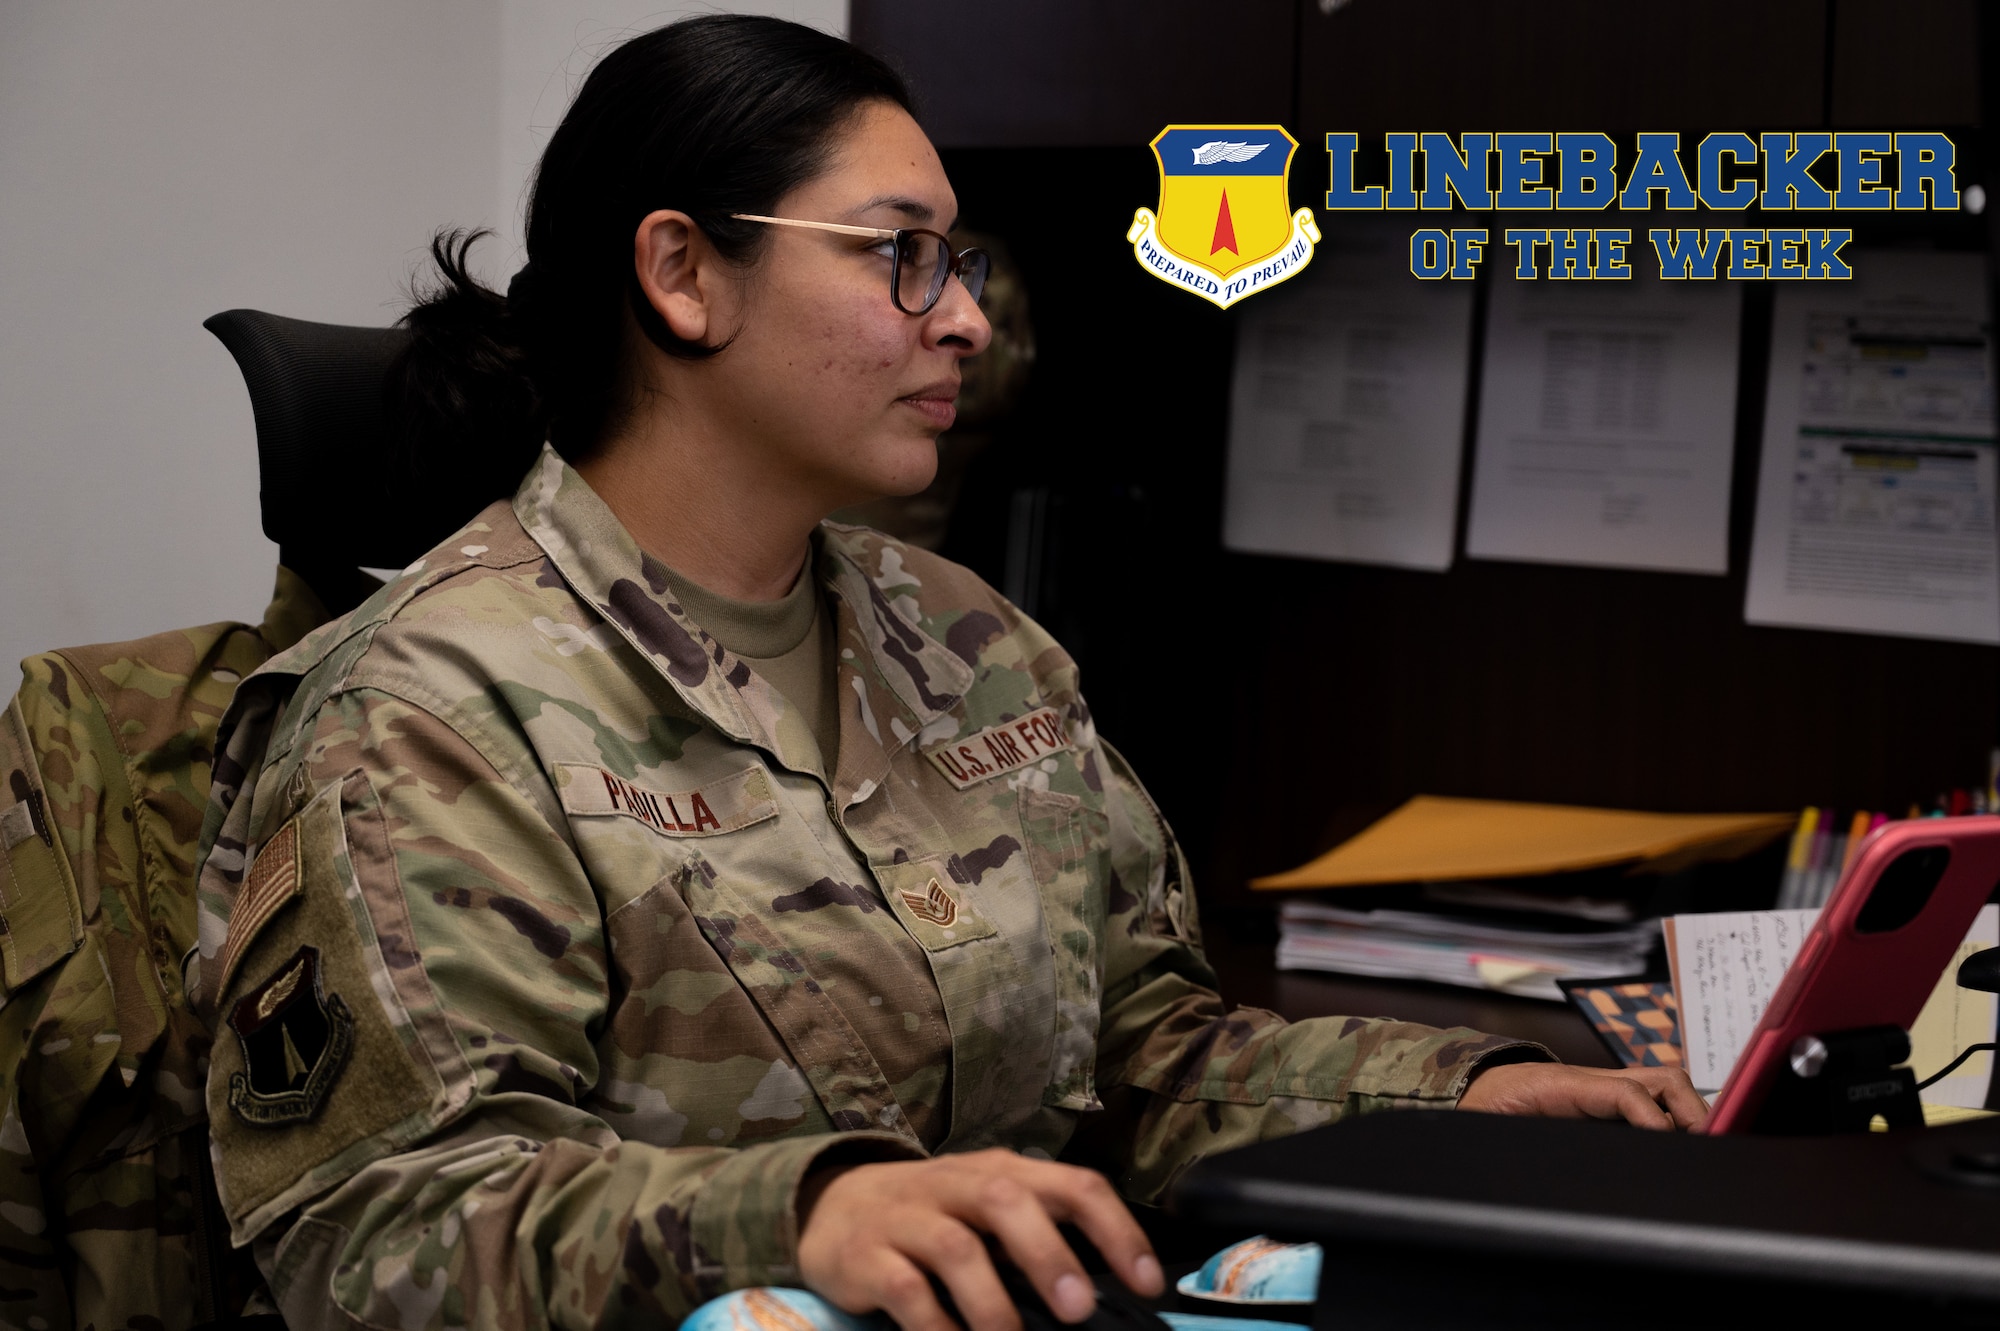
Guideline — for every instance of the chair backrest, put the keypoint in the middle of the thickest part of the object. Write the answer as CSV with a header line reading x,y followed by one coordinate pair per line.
x,y
335,496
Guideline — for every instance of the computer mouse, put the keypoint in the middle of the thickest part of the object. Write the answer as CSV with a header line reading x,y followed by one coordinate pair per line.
x,y
1117,1309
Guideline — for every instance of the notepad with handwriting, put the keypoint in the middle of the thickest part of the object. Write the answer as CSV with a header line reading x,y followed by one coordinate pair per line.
x,y
1727,965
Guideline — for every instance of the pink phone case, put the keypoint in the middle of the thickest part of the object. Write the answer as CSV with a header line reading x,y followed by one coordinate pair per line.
x,y
1843,979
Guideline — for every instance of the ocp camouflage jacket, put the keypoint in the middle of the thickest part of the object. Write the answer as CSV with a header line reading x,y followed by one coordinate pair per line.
x,y
544,960
107,1219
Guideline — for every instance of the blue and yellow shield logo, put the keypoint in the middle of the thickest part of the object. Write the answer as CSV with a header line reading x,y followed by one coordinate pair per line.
x,y
1224,229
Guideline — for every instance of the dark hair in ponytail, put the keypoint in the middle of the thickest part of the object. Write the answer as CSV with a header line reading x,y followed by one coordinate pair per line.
x,y
713,115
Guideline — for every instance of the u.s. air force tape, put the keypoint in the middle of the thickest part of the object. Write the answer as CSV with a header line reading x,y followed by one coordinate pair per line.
x,y
1002,748
723,805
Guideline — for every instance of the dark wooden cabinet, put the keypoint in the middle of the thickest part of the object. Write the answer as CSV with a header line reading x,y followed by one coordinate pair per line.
x,y
1896,64
1266,700
1059,73
1561,65
1048,73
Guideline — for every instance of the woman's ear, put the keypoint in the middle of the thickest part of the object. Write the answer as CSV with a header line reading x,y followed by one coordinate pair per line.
x,y
677,269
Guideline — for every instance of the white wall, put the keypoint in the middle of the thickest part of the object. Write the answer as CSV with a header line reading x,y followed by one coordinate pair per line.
x,y
159,163
545,52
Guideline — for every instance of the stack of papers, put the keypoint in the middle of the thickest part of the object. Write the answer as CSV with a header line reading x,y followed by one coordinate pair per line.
x,y
1519,934
1448,949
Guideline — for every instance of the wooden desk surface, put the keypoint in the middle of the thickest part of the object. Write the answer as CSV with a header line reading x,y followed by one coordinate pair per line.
x,y
1249,975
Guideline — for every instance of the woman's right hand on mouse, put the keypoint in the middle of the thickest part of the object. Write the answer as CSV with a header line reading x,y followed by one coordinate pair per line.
x,y
872,1235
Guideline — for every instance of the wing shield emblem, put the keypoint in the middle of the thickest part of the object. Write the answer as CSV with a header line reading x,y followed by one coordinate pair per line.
x,y
296,1038
1225,228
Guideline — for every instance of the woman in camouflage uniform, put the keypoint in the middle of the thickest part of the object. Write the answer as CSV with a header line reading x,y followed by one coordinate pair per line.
x,y
656,890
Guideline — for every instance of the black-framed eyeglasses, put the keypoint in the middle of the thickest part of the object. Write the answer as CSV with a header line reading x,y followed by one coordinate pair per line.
x,y
924,260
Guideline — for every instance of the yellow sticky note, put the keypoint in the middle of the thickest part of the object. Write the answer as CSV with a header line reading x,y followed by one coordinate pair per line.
x,y
1952,1019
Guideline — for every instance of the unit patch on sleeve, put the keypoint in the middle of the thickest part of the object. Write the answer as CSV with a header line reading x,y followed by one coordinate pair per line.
x,y
726,805
296,1039
1002,748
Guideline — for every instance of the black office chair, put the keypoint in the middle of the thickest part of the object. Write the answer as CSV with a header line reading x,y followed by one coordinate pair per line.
x,y
335,495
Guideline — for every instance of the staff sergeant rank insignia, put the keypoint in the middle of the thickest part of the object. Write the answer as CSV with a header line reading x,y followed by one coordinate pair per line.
x,y
933,904
295,1041
1225,229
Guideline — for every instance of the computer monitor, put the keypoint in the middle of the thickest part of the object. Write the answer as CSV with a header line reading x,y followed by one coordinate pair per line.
x,y
1442,1219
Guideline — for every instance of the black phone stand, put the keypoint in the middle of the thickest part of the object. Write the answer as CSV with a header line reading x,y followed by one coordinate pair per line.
x,y
1841,1082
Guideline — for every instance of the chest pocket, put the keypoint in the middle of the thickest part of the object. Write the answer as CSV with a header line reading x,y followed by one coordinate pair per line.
x,y
984,944
1019,970
1067,845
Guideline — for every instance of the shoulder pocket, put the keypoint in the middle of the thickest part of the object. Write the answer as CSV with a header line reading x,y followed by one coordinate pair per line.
x,y
318,1067
41,913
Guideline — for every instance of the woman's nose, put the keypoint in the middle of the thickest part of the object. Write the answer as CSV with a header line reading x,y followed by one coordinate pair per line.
x,y
958,318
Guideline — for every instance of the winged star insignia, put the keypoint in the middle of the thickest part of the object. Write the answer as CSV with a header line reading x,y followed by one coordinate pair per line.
x,y
1225,228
